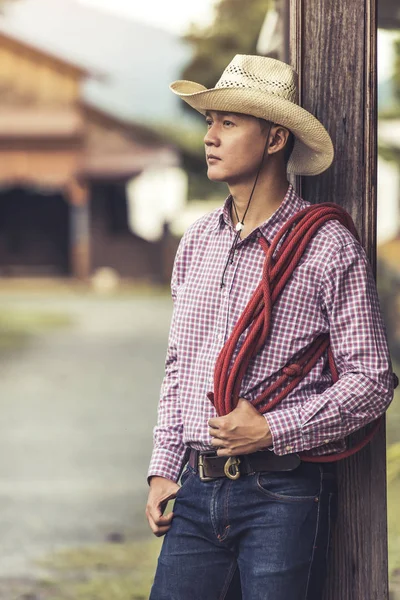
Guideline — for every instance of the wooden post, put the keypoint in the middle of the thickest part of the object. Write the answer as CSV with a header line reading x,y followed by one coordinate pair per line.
x,y
77,194
333,48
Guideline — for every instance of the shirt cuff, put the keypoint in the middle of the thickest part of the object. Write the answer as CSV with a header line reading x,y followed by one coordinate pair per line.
x,y
165,463
286,430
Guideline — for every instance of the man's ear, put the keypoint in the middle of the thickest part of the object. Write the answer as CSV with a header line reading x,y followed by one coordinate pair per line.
x,y
279,136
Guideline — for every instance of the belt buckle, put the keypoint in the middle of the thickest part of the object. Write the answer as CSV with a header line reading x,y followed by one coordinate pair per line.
x,y
201,470
232,462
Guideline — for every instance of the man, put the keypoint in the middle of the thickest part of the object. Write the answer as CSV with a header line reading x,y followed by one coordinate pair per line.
x,y
252,517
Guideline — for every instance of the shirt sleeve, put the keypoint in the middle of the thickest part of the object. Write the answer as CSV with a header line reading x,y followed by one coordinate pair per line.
x,y
358,340
168,448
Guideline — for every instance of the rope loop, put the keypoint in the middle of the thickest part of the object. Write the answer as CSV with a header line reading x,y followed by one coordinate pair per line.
x,y
293,370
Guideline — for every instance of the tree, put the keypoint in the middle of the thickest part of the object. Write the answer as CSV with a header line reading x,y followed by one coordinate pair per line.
x,y
396,77
235,30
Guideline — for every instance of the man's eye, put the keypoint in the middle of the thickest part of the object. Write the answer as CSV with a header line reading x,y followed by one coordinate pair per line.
x,y
228,122
208,123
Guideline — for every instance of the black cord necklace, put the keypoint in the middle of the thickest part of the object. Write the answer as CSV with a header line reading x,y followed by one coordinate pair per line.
x,y
240,223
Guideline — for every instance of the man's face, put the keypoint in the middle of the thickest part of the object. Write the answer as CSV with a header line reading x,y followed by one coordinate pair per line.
x,y
234,146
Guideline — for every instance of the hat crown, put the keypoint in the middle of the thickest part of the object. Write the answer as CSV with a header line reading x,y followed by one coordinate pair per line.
x,y
261,73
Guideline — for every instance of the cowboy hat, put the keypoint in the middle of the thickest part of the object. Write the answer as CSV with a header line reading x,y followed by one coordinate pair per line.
x,y
265,88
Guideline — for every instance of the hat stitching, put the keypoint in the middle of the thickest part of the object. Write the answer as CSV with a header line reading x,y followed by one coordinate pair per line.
x,y
236,70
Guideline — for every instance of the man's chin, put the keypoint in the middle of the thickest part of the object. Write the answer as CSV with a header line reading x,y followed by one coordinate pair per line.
x,y
217,177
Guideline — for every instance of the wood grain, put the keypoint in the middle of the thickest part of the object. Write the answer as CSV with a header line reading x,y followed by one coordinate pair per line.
x,y
333,48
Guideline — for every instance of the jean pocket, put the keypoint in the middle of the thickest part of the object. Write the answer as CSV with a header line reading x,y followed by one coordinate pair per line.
x,y
290,486
186,475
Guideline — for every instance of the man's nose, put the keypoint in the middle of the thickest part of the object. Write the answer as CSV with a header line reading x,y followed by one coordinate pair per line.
x,y
211,138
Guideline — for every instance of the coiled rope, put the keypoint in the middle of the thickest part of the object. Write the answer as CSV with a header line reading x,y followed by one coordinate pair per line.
x,y
256,320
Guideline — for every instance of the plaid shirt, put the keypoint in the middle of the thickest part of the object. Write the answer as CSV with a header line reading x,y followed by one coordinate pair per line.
x,y
331,290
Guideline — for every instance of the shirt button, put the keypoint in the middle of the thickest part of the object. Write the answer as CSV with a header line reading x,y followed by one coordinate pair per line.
x,y
288,448
258,234
326,441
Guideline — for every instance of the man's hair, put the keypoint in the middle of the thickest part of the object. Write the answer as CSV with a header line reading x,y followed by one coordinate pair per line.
x,y
288,149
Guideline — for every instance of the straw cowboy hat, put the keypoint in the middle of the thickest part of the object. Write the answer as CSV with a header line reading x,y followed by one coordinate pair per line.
x,y
268,89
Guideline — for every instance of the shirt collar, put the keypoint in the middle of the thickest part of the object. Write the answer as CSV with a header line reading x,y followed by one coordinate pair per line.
x,y
289,206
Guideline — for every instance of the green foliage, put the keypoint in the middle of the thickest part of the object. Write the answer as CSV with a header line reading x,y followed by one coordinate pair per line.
x,y
393,462
393,479
396,76
393,519
389,153
235,30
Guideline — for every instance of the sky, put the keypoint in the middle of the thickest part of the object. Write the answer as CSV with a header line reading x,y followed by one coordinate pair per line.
x,y
173,15
177,15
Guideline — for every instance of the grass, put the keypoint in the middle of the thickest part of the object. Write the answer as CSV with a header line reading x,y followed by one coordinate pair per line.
x,y
18,326
101,572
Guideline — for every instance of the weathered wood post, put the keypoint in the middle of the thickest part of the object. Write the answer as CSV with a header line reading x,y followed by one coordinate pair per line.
x,y
333,48
77,194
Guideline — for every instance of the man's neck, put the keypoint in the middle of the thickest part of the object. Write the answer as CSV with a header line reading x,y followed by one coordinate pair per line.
x,y
267,197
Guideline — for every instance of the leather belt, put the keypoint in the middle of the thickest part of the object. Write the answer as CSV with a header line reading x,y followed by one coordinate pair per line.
x,y
211,466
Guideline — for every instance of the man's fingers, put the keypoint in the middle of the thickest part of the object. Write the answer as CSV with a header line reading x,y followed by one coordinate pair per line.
x,y
217,433
164,520
215,422
217,443
161,491
156,511
225,452
158,530
159,523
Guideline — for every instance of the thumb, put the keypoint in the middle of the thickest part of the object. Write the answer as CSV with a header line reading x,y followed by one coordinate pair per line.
x,y
244,404
240,405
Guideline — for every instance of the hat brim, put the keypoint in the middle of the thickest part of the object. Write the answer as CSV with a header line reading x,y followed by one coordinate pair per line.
x,y
313,149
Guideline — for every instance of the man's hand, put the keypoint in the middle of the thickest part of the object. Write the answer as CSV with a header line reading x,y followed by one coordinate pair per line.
x,y
242,431
161,491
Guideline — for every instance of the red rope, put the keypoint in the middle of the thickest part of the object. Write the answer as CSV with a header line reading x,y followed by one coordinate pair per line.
x,y
255,322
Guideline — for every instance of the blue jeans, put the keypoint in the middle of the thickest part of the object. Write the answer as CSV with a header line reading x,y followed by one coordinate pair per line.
x,y
264,536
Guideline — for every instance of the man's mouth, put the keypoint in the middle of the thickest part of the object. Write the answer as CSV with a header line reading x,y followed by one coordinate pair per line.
x,y
212,157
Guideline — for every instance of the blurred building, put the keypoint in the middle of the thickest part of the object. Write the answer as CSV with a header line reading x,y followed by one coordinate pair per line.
x,y
64,167
139,60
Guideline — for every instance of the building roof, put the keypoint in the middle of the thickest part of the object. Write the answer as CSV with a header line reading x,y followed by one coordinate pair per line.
x,y
13,40
139,60
115,149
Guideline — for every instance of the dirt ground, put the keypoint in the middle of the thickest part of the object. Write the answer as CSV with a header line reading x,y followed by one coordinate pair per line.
x,y
77,409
